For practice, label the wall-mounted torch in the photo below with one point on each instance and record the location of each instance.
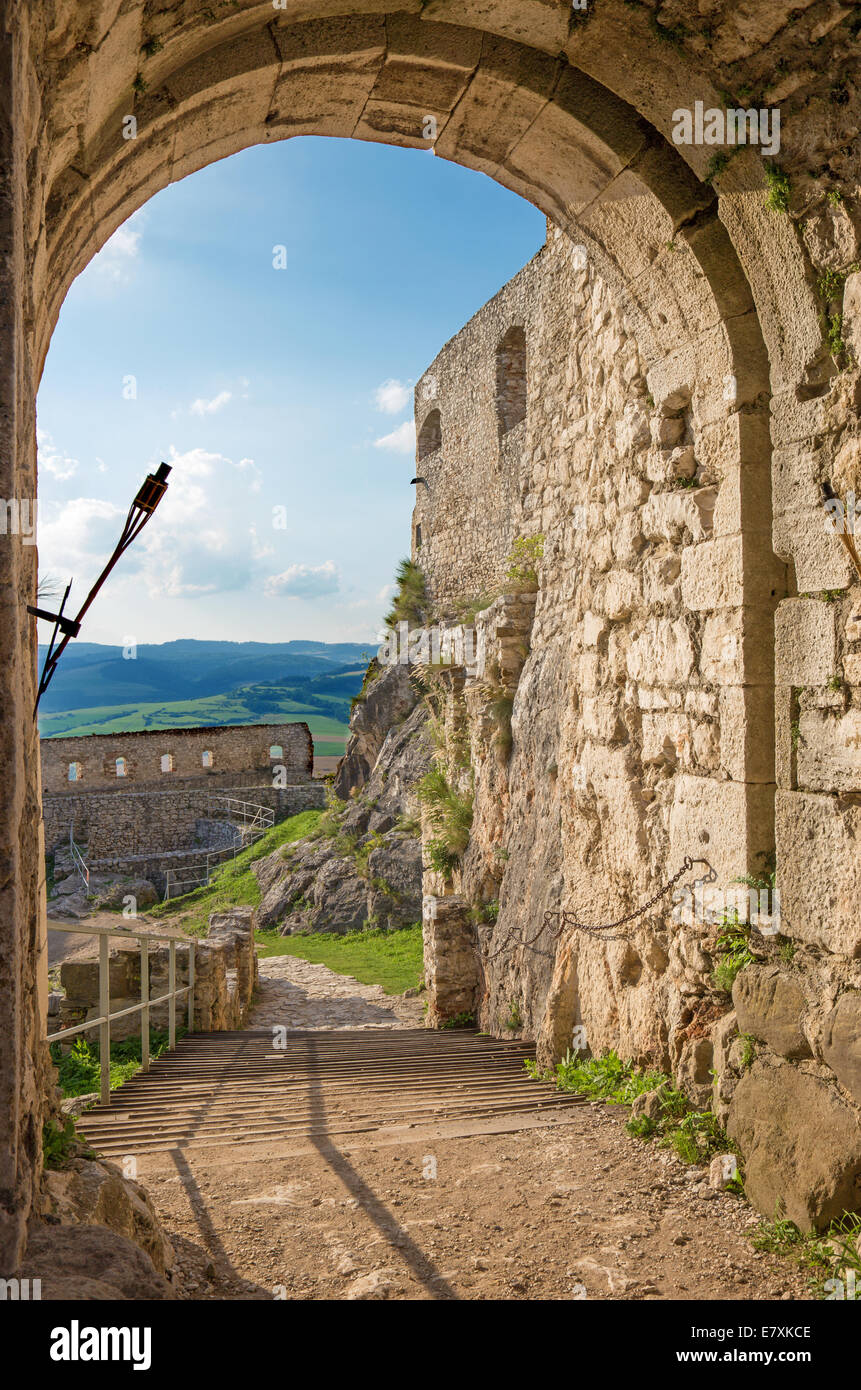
(151, 492)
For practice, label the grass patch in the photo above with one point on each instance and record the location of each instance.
(604, 1078)
(393, 959)
(733, 950)
(825, 1256)
(79, 1071)
(235, 884)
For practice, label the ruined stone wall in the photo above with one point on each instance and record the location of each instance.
(235, 751)
(641, 732)
(112, 826)
(468, 510)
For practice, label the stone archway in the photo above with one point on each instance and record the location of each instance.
(106, 102)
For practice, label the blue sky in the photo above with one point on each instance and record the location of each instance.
(266, 388)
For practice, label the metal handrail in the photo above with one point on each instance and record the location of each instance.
(106, 1018)
(78, 859)
(249, 812)
(250, 815)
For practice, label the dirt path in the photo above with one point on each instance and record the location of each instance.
(535, 1210)
(298, 994)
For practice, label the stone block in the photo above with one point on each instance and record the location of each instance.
(818, 556)
(662, 654)
(805, 642)
(828, 756)
(746, 735)
(801, 1145)
(841, 1042)
(670, 515)
(713, 574)
(817, 840)
(727, 823)
(769, 1003)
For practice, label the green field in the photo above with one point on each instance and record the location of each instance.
(328, 732)
(392, 959)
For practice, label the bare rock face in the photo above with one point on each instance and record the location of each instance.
(841, 1043)
(94, 1192)
(92, 1263)
(801, 1145)
(368, 870)
(769, 1004)
(387, 699)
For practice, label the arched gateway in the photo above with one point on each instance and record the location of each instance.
(104, 104)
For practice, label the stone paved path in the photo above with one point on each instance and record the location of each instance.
(295, 993)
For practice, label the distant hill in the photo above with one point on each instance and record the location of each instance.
(187, 683)
(91, 674)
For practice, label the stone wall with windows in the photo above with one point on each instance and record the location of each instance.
(214, 756)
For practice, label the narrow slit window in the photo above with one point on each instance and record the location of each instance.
(430, 435)
(206, 758)
(74, 772)
(121, 767)
(511, 380)
(167, 762)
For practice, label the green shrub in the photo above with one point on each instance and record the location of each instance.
(448, 811)
(410, 603)
(523, 560)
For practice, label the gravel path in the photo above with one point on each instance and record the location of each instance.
(295, 993)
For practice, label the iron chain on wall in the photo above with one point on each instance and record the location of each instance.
(565, 919)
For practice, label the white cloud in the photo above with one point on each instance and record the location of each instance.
(120, 251)
(304, 581)
(392, 397)
(400, 441)
(52, 459)
(204, 407)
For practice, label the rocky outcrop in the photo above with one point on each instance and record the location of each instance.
(801, 1144)
(386, 698)
(363, 866)
(91, 1263)
(95, 1193)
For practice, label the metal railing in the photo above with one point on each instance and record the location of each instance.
(179, 881)
(106, 1018)
(245, 813)
(78, 859)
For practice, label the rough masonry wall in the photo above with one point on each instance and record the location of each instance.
(469, 511)
(236, 751)
(109, 826)
(642, 733)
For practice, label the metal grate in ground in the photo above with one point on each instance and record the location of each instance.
(221, 1089)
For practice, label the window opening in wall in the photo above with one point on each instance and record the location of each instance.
(511, 379)
(167, 762)
(276, 751)
(206, 758)
(121, 767)
(430, 435)
(418, 538)
(74, 772)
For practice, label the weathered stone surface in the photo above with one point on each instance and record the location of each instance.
(805, 648)
(451, 959)
(387, 699)
(801, 1145)
(841, 1042)
(769, 1003)
(95, 1193)
(91, 1262)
